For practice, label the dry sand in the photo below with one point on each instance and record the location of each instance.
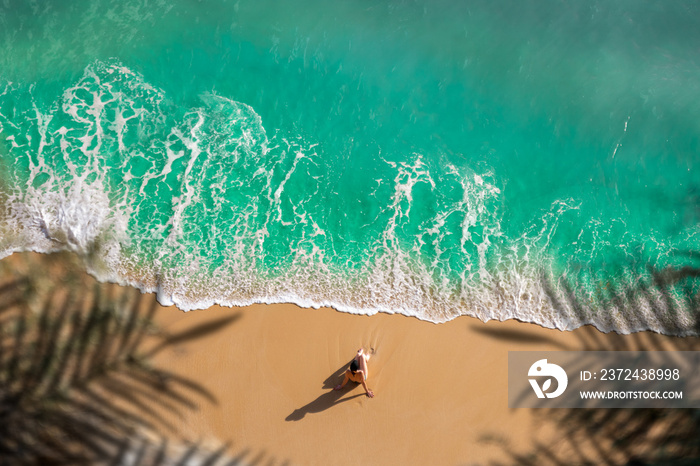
(441, 390)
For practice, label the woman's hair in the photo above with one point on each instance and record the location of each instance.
(354, 366)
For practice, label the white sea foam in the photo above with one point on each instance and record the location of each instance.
(217, 163)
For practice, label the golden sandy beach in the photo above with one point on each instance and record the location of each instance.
(440, 390)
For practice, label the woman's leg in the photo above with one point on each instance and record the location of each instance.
(363, 368)
(362, 360)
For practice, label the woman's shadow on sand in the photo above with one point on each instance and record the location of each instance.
(328, 399)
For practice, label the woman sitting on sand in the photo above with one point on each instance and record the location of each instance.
(358, 372)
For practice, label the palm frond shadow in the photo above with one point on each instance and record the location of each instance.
(627, 436)
(77, 385)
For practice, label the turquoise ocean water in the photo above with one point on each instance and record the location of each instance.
(502, 159)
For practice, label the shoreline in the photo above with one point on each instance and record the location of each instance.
(440, 390)
(650, 307)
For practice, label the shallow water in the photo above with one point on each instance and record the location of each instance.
(530, 160)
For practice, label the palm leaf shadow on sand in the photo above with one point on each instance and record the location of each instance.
(626, 436)
(328, 399)
(517, 336)
(77, 385)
